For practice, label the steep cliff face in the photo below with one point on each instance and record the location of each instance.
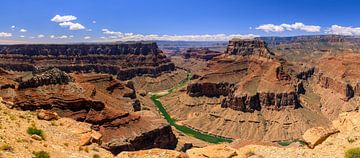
(345, 89)
(273, 101)
(126, 60)
(53, 76)
(248, 47)
(209, 89)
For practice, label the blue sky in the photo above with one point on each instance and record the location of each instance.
(97, 20)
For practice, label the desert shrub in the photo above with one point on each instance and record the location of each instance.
(96, 156)
(6, 147)
(41, 154)
(353, 153)
(34, 130)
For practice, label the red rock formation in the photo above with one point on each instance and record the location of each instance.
(209, 89)
(126, 60)
(101, 100)
(343, 88)
(248, 47)
(274, 101)
(256, 79)
(200, 53)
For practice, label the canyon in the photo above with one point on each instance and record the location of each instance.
(253, 93)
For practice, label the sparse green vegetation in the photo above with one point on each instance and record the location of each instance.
(96, 156)
(53, 123)
(185, 129)
(33, 130)
(287, 143)
(353, 153)
(6, 147)
(41, 154)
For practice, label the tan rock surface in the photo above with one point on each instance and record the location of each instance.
(152, 153)
(315, 136)
(62, 136)
(213, 151)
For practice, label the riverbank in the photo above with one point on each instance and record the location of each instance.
(184, 129)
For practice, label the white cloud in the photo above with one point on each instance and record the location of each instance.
(89, 30)
(5, 34)
(65, 21)
(22, 36)
(13, 27)
(137, 37)
(62, 37)
(87, 37)
(270, 28)
(94, 22)
(40, 36)
(23, 30)
(65, 18)
(72, 26)
(289, 27)
(343, 30)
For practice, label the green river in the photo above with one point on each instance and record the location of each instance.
(184, 129)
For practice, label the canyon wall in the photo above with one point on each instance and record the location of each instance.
(126, 60)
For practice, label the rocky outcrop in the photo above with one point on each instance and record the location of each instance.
(315, 136)
(101, 100)
(246, 47)
(209, 89)
(160, 137)
(346, 89)
(53, 76)
(126, 60)
(274, 101)
(306, 74)
(200, 53)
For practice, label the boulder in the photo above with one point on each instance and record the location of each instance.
(47, 115)
(220, 150)
(317, 135)
(90, 137)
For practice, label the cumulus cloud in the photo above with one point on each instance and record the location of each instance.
(87, 37)
(72, 26)
(65, 21)
(65, 18)
(5, 34)
(22, 36)
(138, 37)
(40, 36)
(94, 22)
(288, 27)
(13, 27)
(23, 30)
(343, 30)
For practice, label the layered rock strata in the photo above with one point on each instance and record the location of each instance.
(200, 53)
(248, 47)
(126, 60)
(98, 99)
